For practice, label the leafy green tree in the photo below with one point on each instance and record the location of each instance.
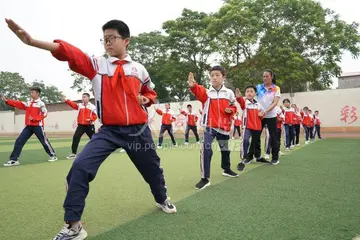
(13, 86)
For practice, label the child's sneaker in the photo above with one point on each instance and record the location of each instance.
(287, 149)
(262, 160)
(198, 142)
(281, 153)
(307, 142)
(292, 146)
(241, 166)
(230, 173)
(186, 143)
(122, 150)
(159, 147)
(275, 162)
(71, 156)
(167, 206)
(202, 184)
(248, 160)
(11, 163)
(175, 146)
(53, 159)
(71, 233)
(267, 156)
(298, 144)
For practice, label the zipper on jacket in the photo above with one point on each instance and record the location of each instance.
(126, 109)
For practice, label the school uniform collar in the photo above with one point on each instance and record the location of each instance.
(35, 101)
(114, 59)
(223, 88)
(253, 101)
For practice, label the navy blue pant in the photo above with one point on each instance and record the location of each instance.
(249, 149)
(80, 130)
(317, 131)
(169, 129)
(206, 151)
(296, 136)
(307, 132)
(311, 132)
(289, 134)
(140, 147)
(187, 131)
(267, 140)
(271, 123)
(26, 133)
(237, 129)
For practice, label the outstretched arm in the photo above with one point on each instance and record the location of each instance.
(78, 61)
(72, 104)
(16, 104)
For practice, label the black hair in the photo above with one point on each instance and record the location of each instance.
(219, 68)
(286, 100)
(87, 94)
(189, 105)
(316, 111)
(273, 76)
(253, 87)
(306, 108)
(36, 89)
(119, 26)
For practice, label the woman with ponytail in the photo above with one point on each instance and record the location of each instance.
(268, 95)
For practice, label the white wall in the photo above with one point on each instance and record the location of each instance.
(330, 104)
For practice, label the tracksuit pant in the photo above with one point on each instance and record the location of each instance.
(317, 131)
(307, 132)
(206, 151)
(140, 147)
(267, 140)
(311, 132)
(80, 130)
(289, 134)
(271, 126)
(194, 130)
(24, 136)
(296, 136)
(237, 129)
(169, 129)
(253, 148)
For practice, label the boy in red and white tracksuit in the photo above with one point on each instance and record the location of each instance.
(218, 109)
(85, 120)
(191, 121)
(317, 125)
(168, 117)
(237, 124)
(312, 126)
(35, 114)
(297, 122)
(306, 122)
(289, 113)
(252, 114)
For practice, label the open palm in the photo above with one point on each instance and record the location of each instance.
(19, 31)
(191, 80)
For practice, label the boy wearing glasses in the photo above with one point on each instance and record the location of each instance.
(122, 90)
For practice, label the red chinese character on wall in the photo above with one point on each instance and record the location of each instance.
(348, 114)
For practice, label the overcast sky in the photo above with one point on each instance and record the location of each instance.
(79, 22)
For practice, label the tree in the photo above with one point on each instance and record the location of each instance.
(298, 39)
(49, 94)
(13, 86)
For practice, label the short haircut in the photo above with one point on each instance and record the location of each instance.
(189, 105)
(286, 100)
(306, 108)
(273, 76)
(86, 94)
(316, 111)
(36, 89)
(251, 86)
(219, 68)
(119, 26)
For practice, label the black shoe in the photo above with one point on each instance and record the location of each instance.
(241, 166)
(202, 184)
(248, 160)
(275, 162)
(262, 160)
(230, 173)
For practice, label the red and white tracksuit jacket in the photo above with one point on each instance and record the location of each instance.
(289, 115)
(35, 109)
(297, 118)
(191, 118)
(317, 121)
(307, 119)
(168, 116)
(237, 121)
(279, 118)
(116, 84)
(214, 104)
(86, 113)
(251, 110)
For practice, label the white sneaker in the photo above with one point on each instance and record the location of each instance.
(298, 144)
(232, 138)
(186, 143)
(307, 142)
(267, 156)
(175, 146)
(287, 149)
(71, 233)
(281, 153)
(122, 150)
(53, 159)
(167, 206)
(159, 147)
(198, 142)
(11, 163)
(71, 156)
(292, 146)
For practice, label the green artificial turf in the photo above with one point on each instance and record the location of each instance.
(314, 193)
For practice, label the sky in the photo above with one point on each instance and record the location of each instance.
(79, 23)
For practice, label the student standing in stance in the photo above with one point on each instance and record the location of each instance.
(218, 108)
(122, 90)
(35, 114)
(191, 121)
(237, 124)
(168, 117)
(85, 119)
